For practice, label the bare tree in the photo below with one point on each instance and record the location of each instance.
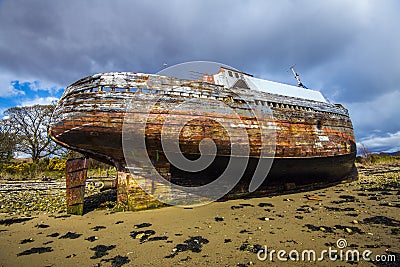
(32, 124)
(364, 151)
(7, 140)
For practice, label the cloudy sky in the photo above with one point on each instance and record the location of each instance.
(349, 50)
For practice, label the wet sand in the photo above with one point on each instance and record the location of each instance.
(365, 213)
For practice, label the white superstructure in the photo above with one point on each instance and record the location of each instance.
(233, 78)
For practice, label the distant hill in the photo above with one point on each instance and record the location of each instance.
(397, 153)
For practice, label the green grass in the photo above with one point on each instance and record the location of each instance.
(377, 159)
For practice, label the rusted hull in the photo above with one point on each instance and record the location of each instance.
(285, 173)
(313, 142)
(103, 139)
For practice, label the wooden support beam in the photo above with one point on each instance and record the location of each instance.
(132, 197)
(76, 174)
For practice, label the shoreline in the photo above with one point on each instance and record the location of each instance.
(365, 213)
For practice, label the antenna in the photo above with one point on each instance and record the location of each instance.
(297, 77)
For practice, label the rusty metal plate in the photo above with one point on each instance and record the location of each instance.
(75, 179)
(73, 165)
(75, 195)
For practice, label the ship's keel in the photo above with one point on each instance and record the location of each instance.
(286, 175)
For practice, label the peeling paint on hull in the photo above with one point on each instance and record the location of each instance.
(314, 140)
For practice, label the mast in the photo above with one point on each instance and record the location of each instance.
(297, 77)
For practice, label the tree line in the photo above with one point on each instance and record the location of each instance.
(24, 134)
(24, 131)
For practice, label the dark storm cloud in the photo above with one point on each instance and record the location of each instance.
(63, 40)
(346, 49)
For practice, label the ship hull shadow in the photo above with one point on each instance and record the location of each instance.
(285, 174)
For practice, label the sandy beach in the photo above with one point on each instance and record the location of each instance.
(362, 215)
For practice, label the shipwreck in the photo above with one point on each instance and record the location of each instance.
(312, 144)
